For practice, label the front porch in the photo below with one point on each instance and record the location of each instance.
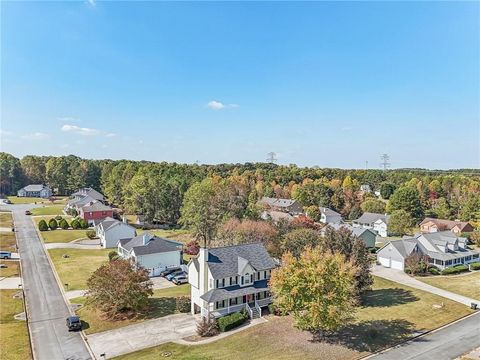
(468, 257)
(251, 303)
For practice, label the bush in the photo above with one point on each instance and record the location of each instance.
(72, 212)
(52, 224)
(407, 271)
(112, 255)
(192, 248)
(455, 269)
(91, 234)
(231, 321)
(207, 327)
(475, 266)
(433, 270)
(275, 310)
(75, 224)
(63, 224)
(58, 218)
(183, 304)
(42, 225)
(83, 224)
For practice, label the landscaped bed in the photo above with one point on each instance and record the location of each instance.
(15, 342)
(6, 219)
(163, 302)
(59, 235)
(392, 312)
(466, 284)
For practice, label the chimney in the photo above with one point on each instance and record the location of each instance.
(124, 219)
(146, 238)
(203, 275)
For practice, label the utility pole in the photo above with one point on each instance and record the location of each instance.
(271, 157)
(366, 164)
(385, 164)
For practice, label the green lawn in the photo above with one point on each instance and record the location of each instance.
(180, 235)
(14, 333)
(79, 266)
(13, 268)
(32, 200)
(391, 312)
(7, 241)
(162, 303)
(6, 219)
(466, 284)
(62, 236)
(48, 210)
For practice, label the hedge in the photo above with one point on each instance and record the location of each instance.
(91, 234)
(475, 266)
(455, 269)
(63, 224)
(42, 225)
(231, 321)
(75, 224)
(52, 224)
(433, 270)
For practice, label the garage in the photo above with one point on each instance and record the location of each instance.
(393, 254)
(390, 263)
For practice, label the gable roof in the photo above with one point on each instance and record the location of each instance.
(443, 224)
(109, 223)
(282, 203)
(329, 212)
(96, 206)
(403, 246)
(224, 261)
(89, 192)
(357, 231)
(277, 215)
(370, 218)
(35, 187)
(154, 244)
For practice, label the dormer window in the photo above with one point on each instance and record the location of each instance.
(247, 278)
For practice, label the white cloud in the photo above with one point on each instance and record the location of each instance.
(68, 119)
(110, 135)
(217, 105)
(35, 136)
(80, 130)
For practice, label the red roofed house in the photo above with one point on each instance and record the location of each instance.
(435, 225)
(94, 211)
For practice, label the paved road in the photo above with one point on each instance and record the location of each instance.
(402, 278)
(45, 304)
(445, 344)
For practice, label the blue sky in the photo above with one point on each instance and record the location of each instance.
(327, 83)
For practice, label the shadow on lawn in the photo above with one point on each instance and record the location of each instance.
(388, 297)
(370, 336)
(161, 306)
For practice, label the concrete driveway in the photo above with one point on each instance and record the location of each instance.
(10, 282)
(72, 246)
(404, 279)
(140, 336)
(161, 283)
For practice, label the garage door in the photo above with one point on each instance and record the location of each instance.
(397, 265)
(387, 262)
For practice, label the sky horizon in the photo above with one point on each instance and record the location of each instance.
(325, 84)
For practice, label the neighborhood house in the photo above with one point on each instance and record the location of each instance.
(151, 252)
(329, 216)
(368, 236)
(376, 222)
(229, 279)
(285, 205)
(110, 231)
(443, 249)
(435, 225)
(95, 211)
(35, 190)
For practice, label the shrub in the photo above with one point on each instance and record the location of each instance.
(42, 225)
(72, 212)
(231, 321)
(58, 218)
(433, 270)
(275, 310)
(112, 255)
(475, 266)
(52, 224)
(75, 224)
(83, 224)
(63, 224)
(455, 269)
(183, 304)
(91, 234)
(192, 248)
(207, 327)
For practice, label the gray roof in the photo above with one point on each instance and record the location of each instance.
(276, 215)
(35, 187)
(89, 192)
(109, 223)
(329, 212)
(234, 291)
(224, 261)
(404, 246)
(277, 202)
(79, 202)
(370, 218)
(357, 231)
(154, 244)
(444, 237)
(96, 206)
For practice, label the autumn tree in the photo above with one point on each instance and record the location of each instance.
(416, 263)
(406, 198)
(234, 232)
(373, 206)
(400, 223)
(119, 290)
(297, 240)
(317, 288)
(386, 190)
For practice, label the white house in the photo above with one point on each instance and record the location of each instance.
(35, 190)
(229, 279)
(110, 231)
(329, 216)
(151, 252)
(443, 249)
(376, 222)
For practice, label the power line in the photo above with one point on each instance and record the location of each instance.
(385, 164)
(271, 157)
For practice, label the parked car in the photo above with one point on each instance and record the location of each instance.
(173, 274)
(28, 212)
(7, 201)
(74, 323)
(3, 266)
(169, 271)
(5, 255)
(181, 279)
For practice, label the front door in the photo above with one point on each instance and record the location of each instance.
(249, 298)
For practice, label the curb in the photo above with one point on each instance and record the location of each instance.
(62, 290)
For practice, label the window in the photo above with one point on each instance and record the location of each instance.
(242, 280)
(236, 280)
(265, 274)
(247, 278)
(233, 301)
(216, 284)
(223, 282)
(252, 278)
(230, 280)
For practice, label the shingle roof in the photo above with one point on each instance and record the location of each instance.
(223, 261)
(234, 291)
(277, 202)
(277, 215)
(154, 244)
(370, 218)
(329, 212)
(404, 246)
(96, 206)
(443, 224)
(109, 223)
(34, 187)
(79, 202)
(357, 231)
(89, 192)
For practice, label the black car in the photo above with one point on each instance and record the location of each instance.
(74, 323)
(169, 271)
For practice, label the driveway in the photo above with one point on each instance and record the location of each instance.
(447, 343)
(139, 336)
(160, 282)
(10, 282)
(404, 279)
(72, 246)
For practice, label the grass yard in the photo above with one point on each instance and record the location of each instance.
(79, 266)
(13, 268)
(48, 210)
(7, 241)
(15, 341)
(391, 313)
(162, 303)
(32, 200)
(6, 219)
(62, 236)
(465, 284)
(180, 235)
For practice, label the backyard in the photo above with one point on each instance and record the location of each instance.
(6, 219)
(162, 303)
(467, 284)
(391, 313)
(15, 342)
(180, 235)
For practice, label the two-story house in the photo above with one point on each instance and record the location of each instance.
(376, 222)
(329, 216)
(110, 231)
(455, 226)
(93, 212)
(229, 279)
